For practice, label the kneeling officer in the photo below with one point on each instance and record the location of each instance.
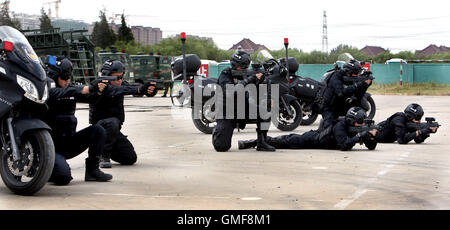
(61, 118)
(107, 110)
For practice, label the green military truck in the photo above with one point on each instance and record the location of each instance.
(147, 68)
(103, 56)
(75, 45)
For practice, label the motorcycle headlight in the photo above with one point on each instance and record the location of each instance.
(31, 91)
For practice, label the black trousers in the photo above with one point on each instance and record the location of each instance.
(309, 140)
(70, 147)
(117, 146)
(223, 133)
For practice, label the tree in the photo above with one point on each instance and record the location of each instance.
(355, 52)
(5, 19)
(125, 33)
(46, 23)
(102, 35)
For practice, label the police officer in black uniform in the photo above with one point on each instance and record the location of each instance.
(107, 110)
(340, 95)
(61, 118)
(336, 136)
(395, 127)
(223, 132)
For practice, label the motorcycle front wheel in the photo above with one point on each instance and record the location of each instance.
(29, 175)
(203, 125)
(289, 123)
(370, 107)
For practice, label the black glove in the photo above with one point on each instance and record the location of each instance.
(364, 135)
(361, 84)
(93, 87)
(144, 89)
(424, 131)
(250, 80)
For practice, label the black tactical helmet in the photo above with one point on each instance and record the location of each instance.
(58, 67)
(240, 58)
(352, 67)
(113, 66)
(355, 115)
(414, 111)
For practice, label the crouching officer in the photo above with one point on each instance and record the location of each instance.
(338, 136)
(61, 118)
(395, 128)
(223, 132)
(107, 110)
(338, 94)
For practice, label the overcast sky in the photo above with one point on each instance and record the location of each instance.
(396, 25)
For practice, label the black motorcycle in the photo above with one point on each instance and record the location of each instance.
(204, 118)
(27, 151)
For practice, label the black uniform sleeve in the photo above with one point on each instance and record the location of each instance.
(339, 89)
(123, 90)
(403, 137)
(344, 142)
(225, 79)
(421, 138)
(70, 91)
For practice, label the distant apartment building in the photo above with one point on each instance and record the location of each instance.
(147, 35)
(28, 22)
(142, 35)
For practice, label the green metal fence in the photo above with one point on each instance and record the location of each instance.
(384, 73)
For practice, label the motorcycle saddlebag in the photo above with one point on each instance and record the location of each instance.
(193, 64)
(306, 88)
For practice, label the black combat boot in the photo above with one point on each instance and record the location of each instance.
(93, 172)
(262, 145)
(247, 144)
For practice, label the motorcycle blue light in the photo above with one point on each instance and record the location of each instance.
(52, 60)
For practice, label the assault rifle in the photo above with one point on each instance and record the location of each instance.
(430, 123)
(368, 126)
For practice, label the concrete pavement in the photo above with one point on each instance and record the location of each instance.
(179, 169)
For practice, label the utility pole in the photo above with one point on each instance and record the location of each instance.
(325, 33)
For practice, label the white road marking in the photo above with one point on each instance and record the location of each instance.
(251, 198)
(320, 168)
(343, 204)
(405, 155)
(383, 172)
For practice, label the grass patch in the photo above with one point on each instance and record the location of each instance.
(416, 89)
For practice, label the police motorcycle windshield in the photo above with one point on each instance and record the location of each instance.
(345, 57)
(22, 53)
(264, 56)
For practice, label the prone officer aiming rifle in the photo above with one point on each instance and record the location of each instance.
(430, 123)
(365, 131)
